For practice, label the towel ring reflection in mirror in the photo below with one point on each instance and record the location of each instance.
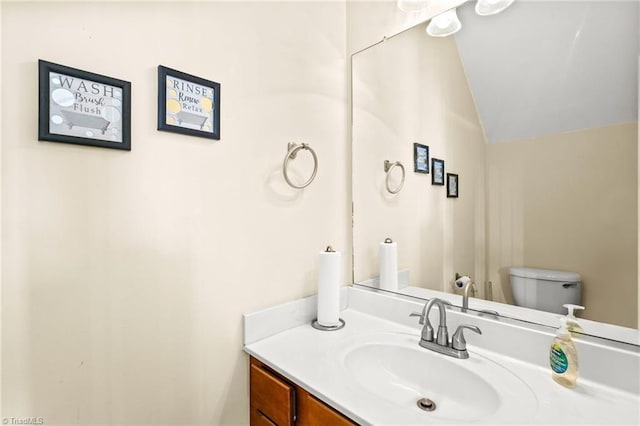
(292, 152)
(388, 167)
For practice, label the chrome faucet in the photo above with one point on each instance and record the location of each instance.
(457, 347)
(465, 297)
(465, 300)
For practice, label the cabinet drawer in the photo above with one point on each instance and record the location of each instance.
(259, 419)
(313, 412)
(271, 396)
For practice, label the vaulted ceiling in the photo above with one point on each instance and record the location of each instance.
(540, 68)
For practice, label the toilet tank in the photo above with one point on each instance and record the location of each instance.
(545, 289)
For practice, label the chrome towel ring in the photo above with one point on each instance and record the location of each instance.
(292, 152)
(388, 166)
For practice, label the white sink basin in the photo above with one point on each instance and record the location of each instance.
(396, 370)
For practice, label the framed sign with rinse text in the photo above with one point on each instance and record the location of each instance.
(83, 108)
(188, 104)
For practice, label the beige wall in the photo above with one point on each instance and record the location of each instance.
(125, 274)
(402, 96)
(569, 202)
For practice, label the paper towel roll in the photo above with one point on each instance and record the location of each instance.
(329, 267)
(388, 264)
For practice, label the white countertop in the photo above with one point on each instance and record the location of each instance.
(311, 359)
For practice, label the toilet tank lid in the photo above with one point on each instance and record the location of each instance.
(544, 274)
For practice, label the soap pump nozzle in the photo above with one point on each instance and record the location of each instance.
(571, 320)
(563, 330)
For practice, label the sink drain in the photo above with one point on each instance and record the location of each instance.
(426, 404)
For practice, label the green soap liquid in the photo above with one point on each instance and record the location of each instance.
(563, 360)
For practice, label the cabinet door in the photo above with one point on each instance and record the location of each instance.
(313, 412)
(271, 396)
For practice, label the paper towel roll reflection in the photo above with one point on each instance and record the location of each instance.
(388, 265)
(329, 267)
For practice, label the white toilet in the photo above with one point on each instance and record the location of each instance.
(545, 289)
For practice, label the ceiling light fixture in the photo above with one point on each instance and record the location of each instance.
(447, 23)
(444, 24)
(491, 7)
(412, 5)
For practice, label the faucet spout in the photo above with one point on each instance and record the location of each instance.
(465, 297)
(442, 337)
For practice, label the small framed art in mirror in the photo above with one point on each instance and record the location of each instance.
(420, 158)
(452, 185)
(437, 171)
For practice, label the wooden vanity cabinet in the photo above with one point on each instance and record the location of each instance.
(276, 401)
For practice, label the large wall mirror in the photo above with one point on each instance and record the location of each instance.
(536, 111)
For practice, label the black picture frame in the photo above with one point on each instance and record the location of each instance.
(420, 158)
(437, 171)
(453, 185)
(83, 108)
(188, 104)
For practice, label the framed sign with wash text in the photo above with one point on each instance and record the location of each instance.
(188, 104)
(83, 108)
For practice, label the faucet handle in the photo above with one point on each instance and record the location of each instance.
(457, 341)
(489, 312)
(418, 314)
(427, 330)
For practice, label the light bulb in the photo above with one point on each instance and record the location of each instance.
(445, 24)
(412, 5)
(491, 7)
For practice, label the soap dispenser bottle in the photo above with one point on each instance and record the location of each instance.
(572, 321)
(563, 357)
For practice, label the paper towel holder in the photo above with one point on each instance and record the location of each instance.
(315, 324)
